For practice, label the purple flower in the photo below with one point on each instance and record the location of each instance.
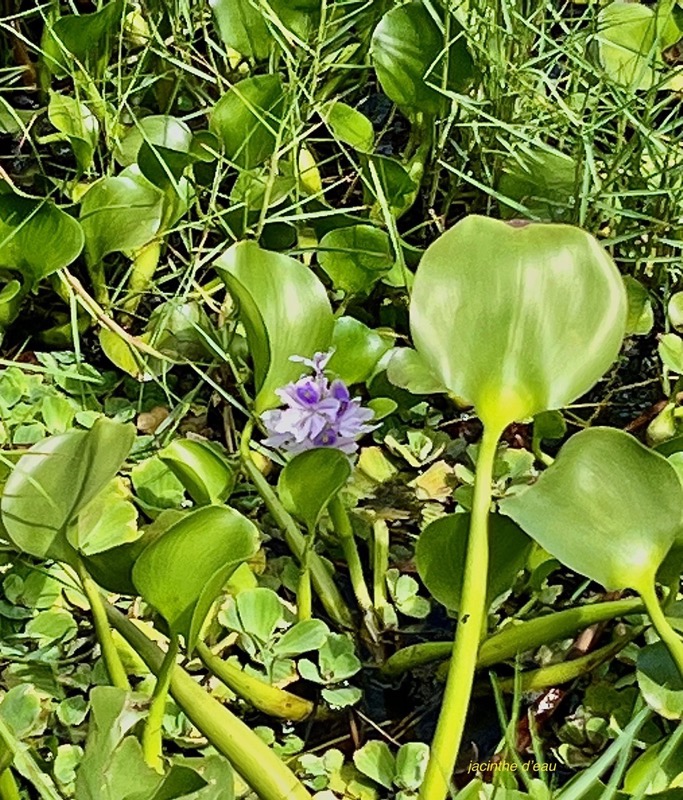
(316, 413)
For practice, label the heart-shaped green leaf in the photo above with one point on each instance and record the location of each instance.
(660, 680)
(539, 351)
(36, 237)
(183, 571)
(108, 521)
(441, 550)
(120, 213)
(55, 480)
(284, 309)
(608, 508)
(310, 480)
(247, 119)
(411, 55)
(202, 468)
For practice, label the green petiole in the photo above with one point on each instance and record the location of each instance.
(471, 621)
(152, 740)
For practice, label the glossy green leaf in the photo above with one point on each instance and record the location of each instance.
(653, 773)
(411, 58)
(540, 351)
(357, 350)
(408, 370)
(348, 125)
(247, 119)
(77, 123)
(543, 182)
(203, 469)
(284, 309)
(640, 318)
(55, 480)
(36, 237)
(109, 520)
(576, 510)
(11, 296)
(386, 178)
(441, 550)
(113, 569)
(660, 681)
(304, 636)
(671, 352)
(376, 760)
(355, 258)
(183, 571)
(120, 213)
(88, 37)
(158, 130)
(674, 310)
(310, 480)
(242, 27)
(631, 38)
(411, 763)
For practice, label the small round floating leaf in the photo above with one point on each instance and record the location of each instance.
(608, 508)
(284, 309)
(441, 550)
(640, 317)
(548, 297)
(675, 311)
(408, 370)
(183, 571)
(310, 480)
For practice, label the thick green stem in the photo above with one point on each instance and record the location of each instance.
(342, 526)
(152, 738)
(269, 777)
(517, 638)
(323, 582)
(566, 671)
(269, 699)
(451, 724)
(112, 661)
(304, 595)
(666, 633)
(380, 563)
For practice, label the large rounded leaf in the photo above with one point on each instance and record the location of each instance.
(310, 480)
(441, 550)
(36, 237)
(411, 55)
(608, 508)
(517, 319)
(55, 480)
(284, 309)
(183, 572)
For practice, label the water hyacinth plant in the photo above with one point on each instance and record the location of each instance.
(340, 338)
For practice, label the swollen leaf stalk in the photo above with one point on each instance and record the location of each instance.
(471, 619)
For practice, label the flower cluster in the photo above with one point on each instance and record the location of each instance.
(317, 413)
